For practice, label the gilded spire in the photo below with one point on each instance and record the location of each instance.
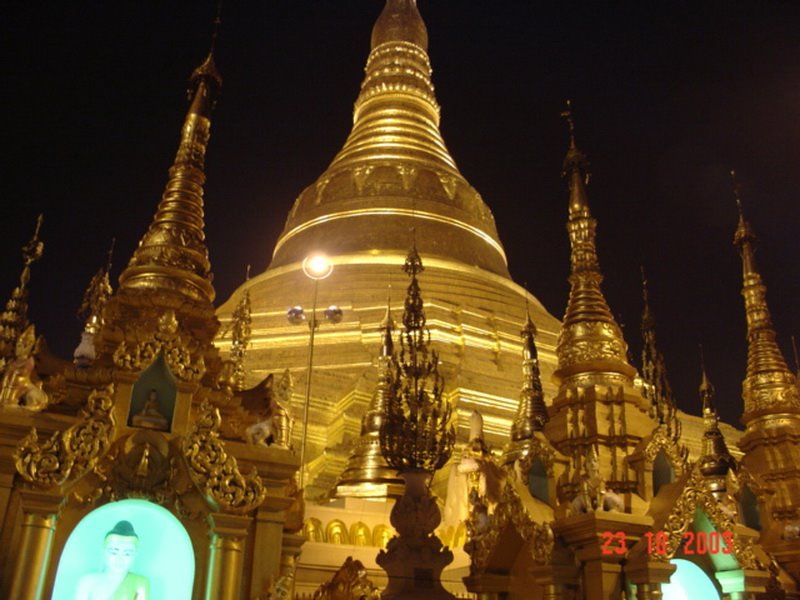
(416, 433)
(367, 474)
(769, 386)
(715, 459)
(532, 412)
(14, 318)
(654, 371)
(394, 170)
(590, 338)
(96, 296)
(172, 256)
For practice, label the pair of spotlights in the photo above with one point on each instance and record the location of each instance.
(297, 314)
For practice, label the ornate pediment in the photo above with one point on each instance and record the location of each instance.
(69, 454)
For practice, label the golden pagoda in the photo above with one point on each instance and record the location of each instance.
(393, 174)
(190, 451)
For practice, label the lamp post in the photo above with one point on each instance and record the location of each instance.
(316, 266)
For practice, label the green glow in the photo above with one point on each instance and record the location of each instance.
(164, 553)
(688, 582)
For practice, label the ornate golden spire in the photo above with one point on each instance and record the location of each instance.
(769, 386)
(95, 297)
(532, 412)
(654, 371)
(14, 318)
(394, 171)
(715, 459)
(416, 434)
(590, 338)
(172, 256)
(367, 474)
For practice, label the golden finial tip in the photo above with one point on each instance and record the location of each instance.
(400, 21)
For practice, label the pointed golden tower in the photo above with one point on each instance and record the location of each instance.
(172, 255)
(590, 338)
(367, 474)
(393, 173)
(771, 442)
(532, 413)
(596, 405)
(170, 271)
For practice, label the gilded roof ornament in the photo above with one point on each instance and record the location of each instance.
(654, 372)
(172, 256)
(590, 338)
(769, 386)
(416, 434)
(14, 318)
(532, 413)
(715, 459)
(96, 296)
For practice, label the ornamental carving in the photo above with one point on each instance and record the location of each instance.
(350, 582)
(484, 530)
(535, 448)
(165, 341)
(722, 514)
(214, 471)
(69, 454)
(661, 440)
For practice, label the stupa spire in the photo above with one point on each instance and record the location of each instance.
(367, 474)
(590, 338)
(654, 370)
(394, 170)
(172, 256)
(14, 318)
(532, 412)
(769, 386)
(715, 459)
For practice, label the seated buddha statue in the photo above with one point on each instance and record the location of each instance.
(150, 416)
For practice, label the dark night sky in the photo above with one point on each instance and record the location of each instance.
(668, 98)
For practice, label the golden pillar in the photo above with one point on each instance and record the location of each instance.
(39, 515)
(269, 520)
(648, 576)
(226, 556)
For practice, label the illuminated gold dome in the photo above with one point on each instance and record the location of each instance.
(394, 171)
(393, 174)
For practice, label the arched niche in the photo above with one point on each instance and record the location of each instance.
(688, 581)
(538, 483)
(749, 503)
(663, 472)
(155, 387)
(163, 555)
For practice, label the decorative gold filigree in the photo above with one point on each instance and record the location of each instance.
(214, 471)
(696, 495)
(416, 432)
(661, 440)
(484, 530)
(165, 341)
(70, 454)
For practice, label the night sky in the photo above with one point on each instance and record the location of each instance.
(667, 100)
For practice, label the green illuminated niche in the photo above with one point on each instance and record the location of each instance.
(123, 549)
(688, 582)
